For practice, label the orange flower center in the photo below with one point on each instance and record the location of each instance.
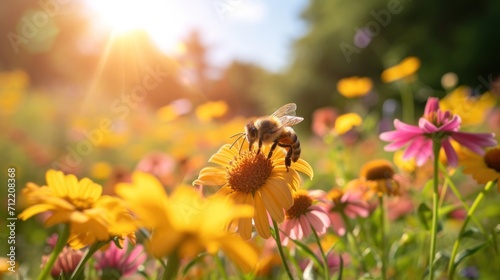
(377, 170)
(335, 195)
(492, 159)
(249, 171)
(80, 203)
(301, 204)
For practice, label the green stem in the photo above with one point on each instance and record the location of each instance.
(470, 213)
(173, 264)
(407, 103)
(352, 241)
(280, 250)
(436, 147)
(341, 268)
(90, 252)
(325, 260)
(461, 198)
(220, 267)
(382, 237)
(61, 242)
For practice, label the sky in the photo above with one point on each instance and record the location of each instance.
(257, 31)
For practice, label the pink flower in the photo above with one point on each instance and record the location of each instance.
(116, 261)
(159, 164)
(303, 217)
(66, 263)
(336, 202)
(334, 262)
(435, 125)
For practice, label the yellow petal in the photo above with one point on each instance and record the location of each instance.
(271, 203)
(304, 167)
(222, 157)
(260, 217)
(55, 181)
(35, 209)
(159, 246)
(242, 253)
(212, 176)
(59, 217)
(346, 122)
(245, 228)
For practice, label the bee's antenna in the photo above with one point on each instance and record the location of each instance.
(239, 135)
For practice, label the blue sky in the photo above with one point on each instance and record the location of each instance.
(257, 31)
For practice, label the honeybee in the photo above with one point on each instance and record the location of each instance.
(276, 129)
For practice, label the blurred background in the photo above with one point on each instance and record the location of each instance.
(101, 88)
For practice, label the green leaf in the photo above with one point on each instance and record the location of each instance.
(445, 210)
(472, 232)
(468, 252)
(495, 240)
(193, 262)
(304, 248)
(425, 215)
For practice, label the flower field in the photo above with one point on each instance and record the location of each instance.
(249, 139)
(172, 194)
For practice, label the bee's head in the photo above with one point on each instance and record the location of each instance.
(252, 134)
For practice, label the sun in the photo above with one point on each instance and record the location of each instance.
(123, 16)
(164, 20)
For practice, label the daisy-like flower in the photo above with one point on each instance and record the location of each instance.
(435, 125)
(483, 168)
(91, 217)
(185, 224)
(254, 179)
(404, 70)
(344, 123)
(354, 86)
(303, 216)
(338, 202)
(115, 263)
(379, 177)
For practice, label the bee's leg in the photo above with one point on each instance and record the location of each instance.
(288, 157)
(260, 146)
(273, 147)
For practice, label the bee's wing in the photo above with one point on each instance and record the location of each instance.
(287, 109)
(290, 120)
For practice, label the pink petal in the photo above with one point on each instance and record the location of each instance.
(475, 141)
(337, 223)
(451, 155)
(357, 209)
(420, 149)
(306, 227)
(296, 232)
(401, 126)
(452, 125)
(431, 106)
(427, 126)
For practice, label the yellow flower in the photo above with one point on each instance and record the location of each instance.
(354, 86)
(408, 165)
(254, 179)
(12, 87)
(101, 170)
(92, 217)
(211, 110)
(483, 168)
(185, 223)
(379, 175)
(404, 69)
(472, 110)
(346, 122)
